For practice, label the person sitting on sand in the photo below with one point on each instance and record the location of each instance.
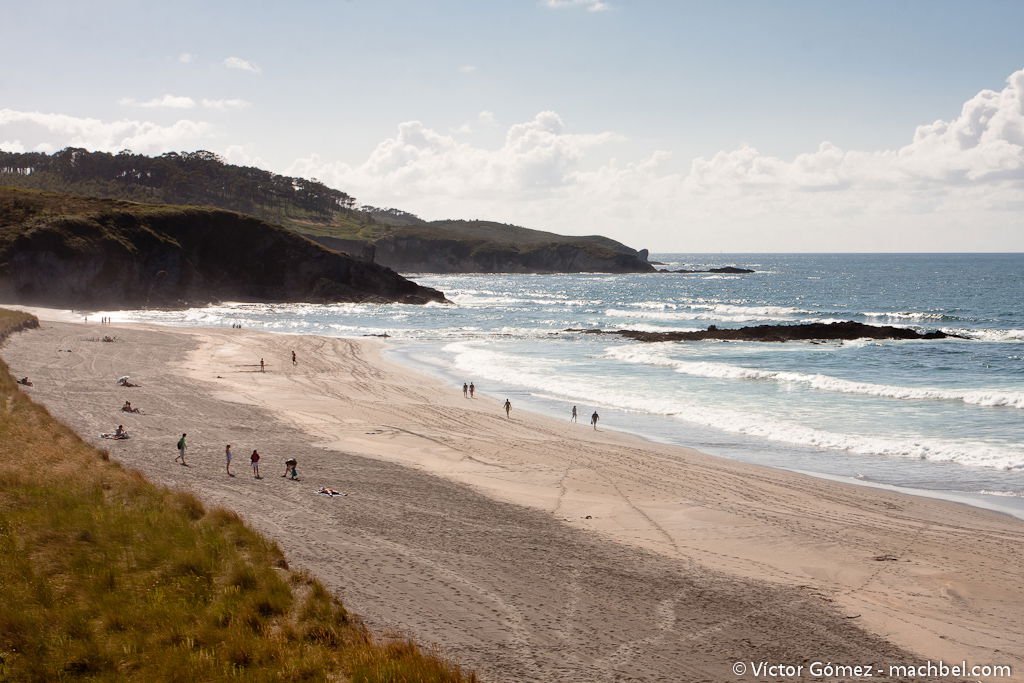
(127, 408)
(119, 433)
(24, 380)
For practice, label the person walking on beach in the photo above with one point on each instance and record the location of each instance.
(471, 389)
(594, 418)
(508, 407)
(181, 449)
(573, 418)
(227, 459)
(294, 360)
(465, 390)
(255, 460)
(261, 365)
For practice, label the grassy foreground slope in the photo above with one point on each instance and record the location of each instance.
(106, 576)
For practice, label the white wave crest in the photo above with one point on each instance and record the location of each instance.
(988, 335)
(980, 397)
(908, 315)
(545, 377)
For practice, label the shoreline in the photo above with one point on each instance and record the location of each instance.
(995, 501)
(393, 351)
(1010, 505)
(702, 512)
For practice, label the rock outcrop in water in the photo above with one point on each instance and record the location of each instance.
(67, 251)
(780, 333)
(723, 269)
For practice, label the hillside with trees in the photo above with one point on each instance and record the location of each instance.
(69, 251)
(391, 237)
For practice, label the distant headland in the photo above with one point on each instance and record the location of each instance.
(389, 237)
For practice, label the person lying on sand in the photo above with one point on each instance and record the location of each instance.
(329, 492)
(126, 381)
(24, 380)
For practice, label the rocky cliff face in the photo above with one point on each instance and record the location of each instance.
(439, 255)
(110, 253)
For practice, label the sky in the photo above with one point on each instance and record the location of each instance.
(715, 126)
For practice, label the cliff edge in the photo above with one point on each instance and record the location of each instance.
(69, 251)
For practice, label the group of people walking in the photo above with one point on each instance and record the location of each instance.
(291, 465)
(469, 389)
(593, 418)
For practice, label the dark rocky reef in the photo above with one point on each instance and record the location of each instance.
(61, 250)
(723, 269)
(780, 333)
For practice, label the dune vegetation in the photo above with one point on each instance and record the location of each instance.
(108, 577)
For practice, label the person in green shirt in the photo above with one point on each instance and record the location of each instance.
(181, 450)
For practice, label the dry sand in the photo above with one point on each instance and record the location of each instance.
(533, 549)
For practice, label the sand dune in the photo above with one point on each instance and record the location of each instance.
(531, 548)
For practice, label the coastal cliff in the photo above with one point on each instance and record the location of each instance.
(62, 250)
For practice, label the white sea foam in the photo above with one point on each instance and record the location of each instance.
(979, 396)
(546, 376)
(988, 335)
(473, 300)
(909, 315)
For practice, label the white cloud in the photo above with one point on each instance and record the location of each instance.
(225, 104)
(589, 5)
(243, 65)
(536, 157)
(468, 69)
(182, 102)
(165, 102)
(485, 120)
(62, 130)
(12, 146)
(956, 184)
(186, 58)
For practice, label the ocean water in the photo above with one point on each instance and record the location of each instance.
(945, 416)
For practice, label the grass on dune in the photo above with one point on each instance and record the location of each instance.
(106, 576)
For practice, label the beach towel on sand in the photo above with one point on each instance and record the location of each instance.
(111, 435)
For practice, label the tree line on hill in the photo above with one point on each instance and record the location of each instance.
(198, 178)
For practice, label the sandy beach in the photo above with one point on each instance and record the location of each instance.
(530, 548)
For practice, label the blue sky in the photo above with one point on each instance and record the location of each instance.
(716, 126)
